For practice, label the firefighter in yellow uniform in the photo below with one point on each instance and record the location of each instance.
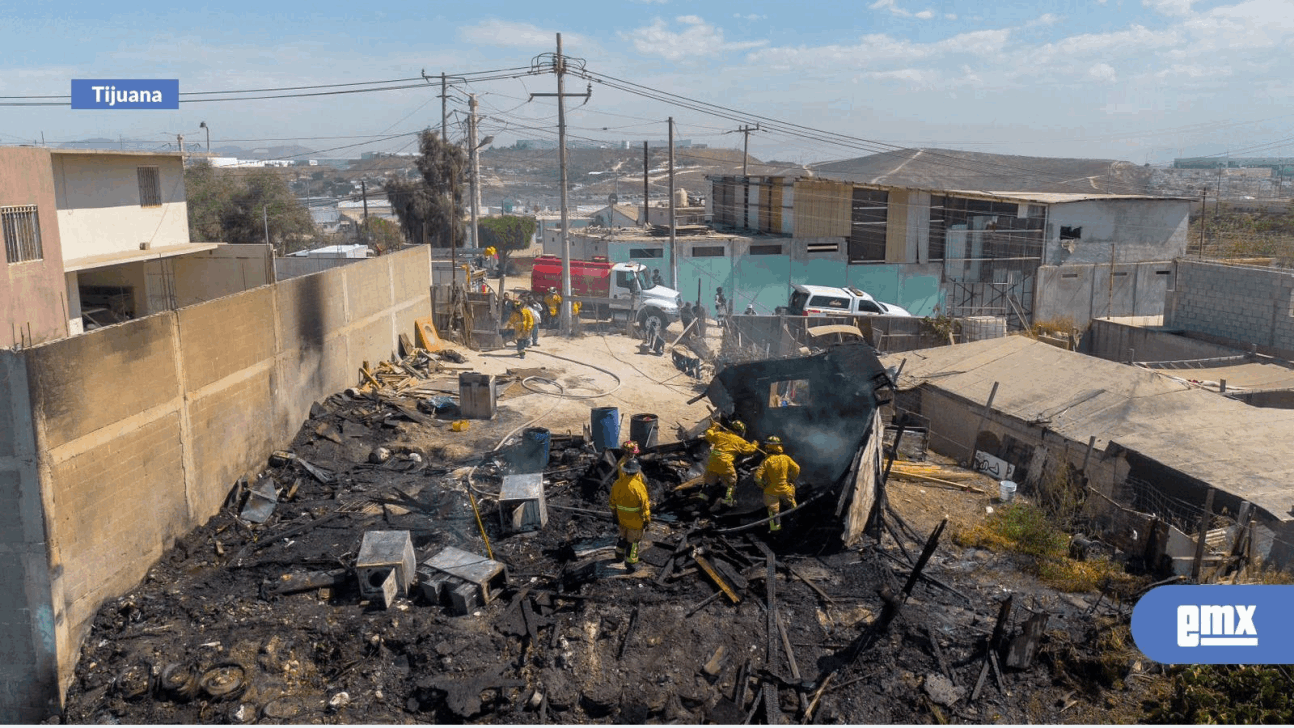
(726, 443)
(553, 301)
(632, 510)
(776, 475)
(522, 321)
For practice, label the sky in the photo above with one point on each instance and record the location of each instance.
(1138, 80)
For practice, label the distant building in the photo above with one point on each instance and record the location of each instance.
(1280, 166)
(617, 216)
(894, 225)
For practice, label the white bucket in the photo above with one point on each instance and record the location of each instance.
(1006, 491)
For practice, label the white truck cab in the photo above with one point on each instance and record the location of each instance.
(631, 280)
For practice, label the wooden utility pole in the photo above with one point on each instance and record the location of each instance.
(673, 246)
(363, 190)
(444, 139)
(646, 183)
(476, 182)
(745, 146)
(1204, 207)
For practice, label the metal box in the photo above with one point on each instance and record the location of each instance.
(476, 396)
(381, 553)
(521, 503)
(451, 574)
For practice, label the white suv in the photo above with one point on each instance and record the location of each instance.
(829, 301)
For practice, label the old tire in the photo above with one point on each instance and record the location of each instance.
(225, 681)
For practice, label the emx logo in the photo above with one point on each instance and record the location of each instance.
(1215, 624)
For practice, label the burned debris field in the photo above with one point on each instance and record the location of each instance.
(295, 603)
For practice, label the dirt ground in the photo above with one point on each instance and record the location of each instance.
(575, 639)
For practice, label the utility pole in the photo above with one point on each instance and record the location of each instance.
(444, 139)
(559, 67)
(476, 168)
(363, 189)
(673, 247)
(179, 139)
(265, 220)
(646, 182)
(1204, 210)
(745, 147)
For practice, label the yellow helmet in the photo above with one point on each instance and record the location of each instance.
(738, 427)
(773, 444)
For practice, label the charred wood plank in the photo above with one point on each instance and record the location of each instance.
(714, 576)
(939, 656)
(704, 603)
(629, 632)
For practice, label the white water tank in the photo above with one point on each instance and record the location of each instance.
(979, 328)
(680, 197)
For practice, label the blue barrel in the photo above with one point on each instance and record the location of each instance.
(605, 425)
(532, 455)
(643, 429)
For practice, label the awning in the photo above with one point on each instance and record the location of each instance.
(135, 256)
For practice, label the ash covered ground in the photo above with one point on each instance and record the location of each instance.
(574, 639)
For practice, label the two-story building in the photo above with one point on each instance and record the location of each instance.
(1025, 238)
(96, 237)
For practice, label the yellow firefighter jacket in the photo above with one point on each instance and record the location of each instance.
(777, 474)
(629, 500)
(724, 447)
(553, 300)
(522, 321)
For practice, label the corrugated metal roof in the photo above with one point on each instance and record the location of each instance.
(1233, 447)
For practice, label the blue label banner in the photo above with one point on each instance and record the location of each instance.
(1244, 624)
(126, 93)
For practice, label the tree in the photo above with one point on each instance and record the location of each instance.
(384, 235)
(227, 207)
(507, 234)
(430, 208)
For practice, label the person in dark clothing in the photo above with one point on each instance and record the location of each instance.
(655, 277)
(685, 314)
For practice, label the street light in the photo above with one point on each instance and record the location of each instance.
(203, 125)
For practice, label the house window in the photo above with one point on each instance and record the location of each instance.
(646, 252)
(707, 251)
(1071, 233)
(21, 234)
(868, 225)
(150, 187)
(765, 250)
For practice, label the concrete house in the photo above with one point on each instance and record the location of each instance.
(1028, 240)
(617, 216)
(102, 237)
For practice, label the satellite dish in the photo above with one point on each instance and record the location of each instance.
(612, 198)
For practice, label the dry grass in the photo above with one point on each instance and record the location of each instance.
(1025, 529)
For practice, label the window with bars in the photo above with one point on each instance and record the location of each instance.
(150, 187)
(21, 228)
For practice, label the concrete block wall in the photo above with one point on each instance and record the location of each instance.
(1248, 305)
(1082, 292)
(1113, 340)
(115, 443)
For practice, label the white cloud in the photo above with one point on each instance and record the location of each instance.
(651, 2)
(751, 16)
(697, 38)
(1170, 7)
(926, 14)
(950, 16)
(889, 5)
(1103, 73)
(510, 34)
(1043, 20)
